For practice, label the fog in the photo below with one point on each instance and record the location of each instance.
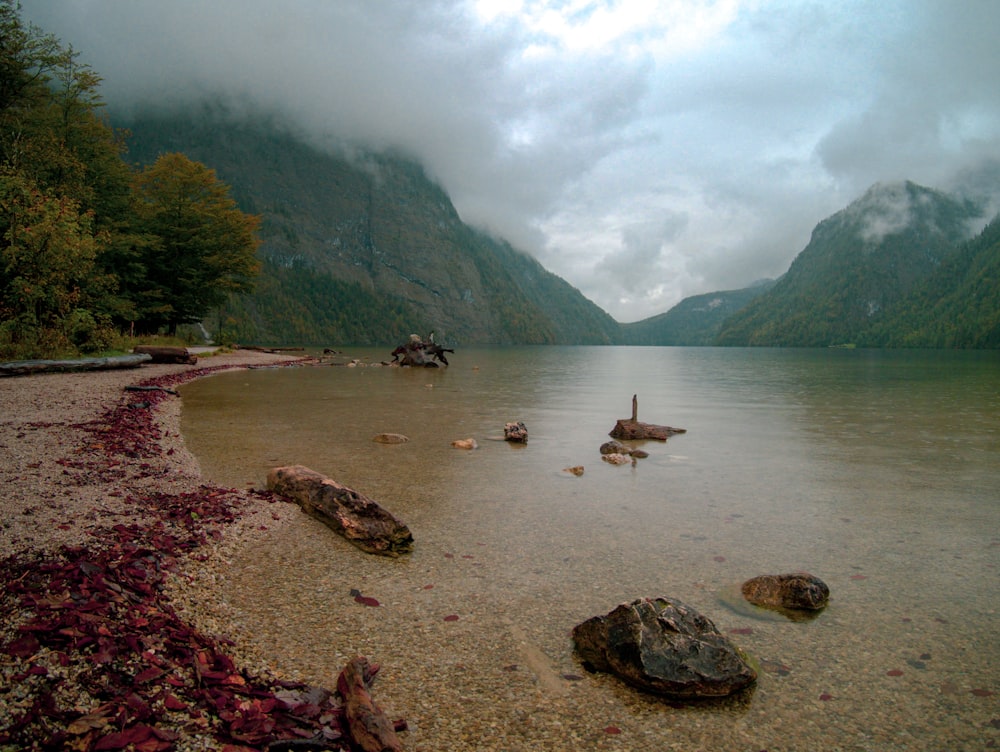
(644, 150)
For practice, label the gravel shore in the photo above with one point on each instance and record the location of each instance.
(103, 515)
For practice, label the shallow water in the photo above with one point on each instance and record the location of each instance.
(877, 471)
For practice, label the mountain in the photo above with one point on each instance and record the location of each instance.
(860, 265)
(695, 321)
(362, 248)
(958, 306)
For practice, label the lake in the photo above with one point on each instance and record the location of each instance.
(877, 471)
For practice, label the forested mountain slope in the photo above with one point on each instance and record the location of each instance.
(859, 267)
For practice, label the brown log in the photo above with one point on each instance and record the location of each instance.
(632, 428)
(353, 515)
(167, 354)
(28, 367)
(367, 725)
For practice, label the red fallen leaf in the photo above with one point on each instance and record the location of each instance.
(23, 647)
(825, 697)
(428, 587)
(719, 558)
(149, 674)
(365, 600)
(468, 556)
(449, 556)
(741, 630)
(982, 693)
(172, 703)
(451, 617)
(894, 672)
(859, 577)
(612, 730)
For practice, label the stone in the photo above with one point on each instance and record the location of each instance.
(576, 470)
(390, 438)
(357, 518)
(665, 647)
(613, 447)
(515, 432)
(616, 459)
(796, 591)
(465, 444)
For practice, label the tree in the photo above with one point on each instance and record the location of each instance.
(200, 246)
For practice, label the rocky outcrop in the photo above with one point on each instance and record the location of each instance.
(663, 646)
(796, 591)
(353, 515)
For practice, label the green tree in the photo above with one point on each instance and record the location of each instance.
(47, 271)
(199, 246)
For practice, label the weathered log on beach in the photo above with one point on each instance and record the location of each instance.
(367, 725)
(167, 354)
(353, 515)
(26, 367)
(632, 428)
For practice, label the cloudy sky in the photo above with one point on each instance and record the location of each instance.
(644, 150)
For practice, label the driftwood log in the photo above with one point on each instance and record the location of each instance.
(26, 367)
(369, 728)
(353, 515)
(167, 354)
(632, 428)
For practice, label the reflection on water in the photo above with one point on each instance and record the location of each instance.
(877, 471)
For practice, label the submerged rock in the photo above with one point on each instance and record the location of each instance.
(663, 646)
(390, 438)
(796, 591)
(516, 432)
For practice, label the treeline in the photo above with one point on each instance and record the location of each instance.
(90, 248)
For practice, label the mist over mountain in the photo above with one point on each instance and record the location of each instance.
(859, 267)
(364, 248)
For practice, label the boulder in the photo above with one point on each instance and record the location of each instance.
(799, 591)
(353, 515)
(515, 432)
(465, 444)
(576, 470)
(662, 646)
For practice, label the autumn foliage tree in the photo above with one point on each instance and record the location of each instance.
(200, 246)
(86, 246)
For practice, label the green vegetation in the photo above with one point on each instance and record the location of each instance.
(87, 249)
(863, 278)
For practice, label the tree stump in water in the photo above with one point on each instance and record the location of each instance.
(367, 725)
(632, 428)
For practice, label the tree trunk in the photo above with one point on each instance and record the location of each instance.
(167, 354)
(367, 725)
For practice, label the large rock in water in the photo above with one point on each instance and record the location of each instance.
(799, 591)
(356, 517)
(663, 646)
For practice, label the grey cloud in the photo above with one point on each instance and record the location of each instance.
(753, 133)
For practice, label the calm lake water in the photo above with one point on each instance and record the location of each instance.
(878, 471)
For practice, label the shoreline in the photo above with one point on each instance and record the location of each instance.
(107, 529)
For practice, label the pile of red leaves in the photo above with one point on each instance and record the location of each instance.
(103, 661)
